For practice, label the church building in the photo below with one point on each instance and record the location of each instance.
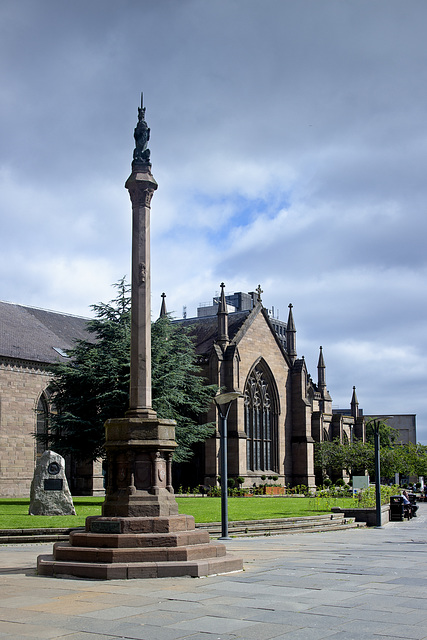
(32, 341)
(273, 427)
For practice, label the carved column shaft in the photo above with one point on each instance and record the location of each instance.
(141, 186)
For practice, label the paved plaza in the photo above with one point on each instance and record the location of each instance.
(354, 584)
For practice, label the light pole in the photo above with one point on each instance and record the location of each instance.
(377, 473)
(223, 402)
(376, 425)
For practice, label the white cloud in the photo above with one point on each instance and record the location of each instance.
(288, 141)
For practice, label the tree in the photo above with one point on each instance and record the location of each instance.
(329, 457)
(334, 457)
(411, 459)
(93, 385)
(388, 434)
(179, 391)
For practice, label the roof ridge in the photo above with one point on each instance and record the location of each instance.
(28, 306)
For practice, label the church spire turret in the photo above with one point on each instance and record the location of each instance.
(163, 310)
(321, 372)
(291, 337)
(354, 404)
(222, 314)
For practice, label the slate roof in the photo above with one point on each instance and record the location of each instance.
(205, 329)
(33, 334)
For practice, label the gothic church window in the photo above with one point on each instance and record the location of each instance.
(42, 413)
(260, 422)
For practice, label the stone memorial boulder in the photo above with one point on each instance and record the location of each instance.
(49, 494)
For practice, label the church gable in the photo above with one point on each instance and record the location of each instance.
(256, 340)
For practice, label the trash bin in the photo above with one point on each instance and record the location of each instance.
(396, 508)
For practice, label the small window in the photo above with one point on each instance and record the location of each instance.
(61, 352)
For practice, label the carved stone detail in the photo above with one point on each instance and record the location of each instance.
(142, 273)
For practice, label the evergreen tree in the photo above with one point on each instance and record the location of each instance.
(179, 391)
(93, 385)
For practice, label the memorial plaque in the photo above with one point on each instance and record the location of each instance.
(105, 526)
(54, 468)
(53, 484)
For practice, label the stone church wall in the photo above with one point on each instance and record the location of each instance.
(259, 341)
(256, 342)
(21, 384)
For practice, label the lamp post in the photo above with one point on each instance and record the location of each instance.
(377, 473)
(376, 425)
(223, 402)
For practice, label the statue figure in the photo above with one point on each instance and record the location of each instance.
(141, 154)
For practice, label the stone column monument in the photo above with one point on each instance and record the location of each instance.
(140, 445)
(140, 534)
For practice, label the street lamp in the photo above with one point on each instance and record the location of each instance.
(376, 425)
(223, 402)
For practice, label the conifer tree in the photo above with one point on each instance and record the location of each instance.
(93, 385)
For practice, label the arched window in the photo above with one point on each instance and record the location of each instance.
(42, 424)
(260, 422)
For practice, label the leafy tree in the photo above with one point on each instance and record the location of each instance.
(94, 384)
(356, 457)
(388, 434)
(411, 459)
(329, 457)
(334, 457)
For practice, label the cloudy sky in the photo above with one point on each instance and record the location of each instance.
(289, 141)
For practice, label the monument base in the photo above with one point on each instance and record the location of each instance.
(139, 451)
(124, 548)
(140, 503)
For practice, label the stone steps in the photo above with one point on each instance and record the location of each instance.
(308, 524)
(138, 547)
(18, 536)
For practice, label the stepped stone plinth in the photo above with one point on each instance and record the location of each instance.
(123, 548)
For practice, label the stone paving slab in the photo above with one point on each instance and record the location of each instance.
(359, 584)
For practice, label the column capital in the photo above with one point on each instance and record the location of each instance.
(141, 181)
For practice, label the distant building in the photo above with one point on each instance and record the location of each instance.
(405, 424)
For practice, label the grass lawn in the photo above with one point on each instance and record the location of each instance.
(14, 512)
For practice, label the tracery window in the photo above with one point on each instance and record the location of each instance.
(260, 423)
